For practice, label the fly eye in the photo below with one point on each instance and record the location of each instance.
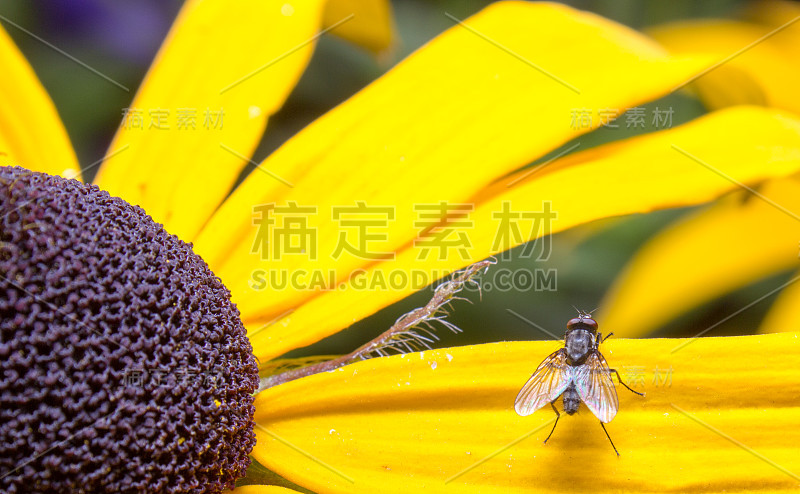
(573, 323)
(584, 322)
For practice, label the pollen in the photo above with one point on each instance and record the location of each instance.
(115, 340)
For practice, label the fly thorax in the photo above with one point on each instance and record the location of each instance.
(579, 343)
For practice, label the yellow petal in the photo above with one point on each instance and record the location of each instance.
(224, 68)
(444, 421)
(782, 316)
(31, 133)
(756, 63)
(369, 22)
(747, 144)
(263, 489)
(773, 13)
(737, 241)
(479, 101)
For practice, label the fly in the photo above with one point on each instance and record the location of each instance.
(578, 372)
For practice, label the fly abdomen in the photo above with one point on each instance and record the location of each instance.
(571, 399)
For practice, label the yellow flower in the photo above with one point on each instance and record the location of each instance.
(749, 236)
(497, 91)
(755, 59)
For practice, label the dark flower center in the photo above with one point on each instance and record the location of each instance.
(124, 366)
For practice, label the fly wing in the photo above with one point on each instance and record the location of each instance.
(596, 389)
(546, 384)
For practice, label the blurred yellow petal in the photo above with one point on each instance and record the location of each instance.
(774, 13)
(224, 68)
(747, 144)
(369, 23)
(479, 101)
(262, 489)
(738, 240)
(782, 316)
(31, 133)
(730, 86)
(755, 62)
(443, 421)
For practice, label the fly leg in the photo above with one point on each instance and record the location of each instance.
(609, 437)
(620, 381)
(618, 377)
(558, 416)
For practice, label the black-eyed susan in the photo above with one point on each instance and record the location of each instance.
(497, 90)
(125, 367)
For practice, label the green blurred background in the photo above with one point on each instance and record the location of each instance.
(121, 38)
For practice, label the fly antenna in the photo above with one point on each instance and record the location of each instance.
(583, 313)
